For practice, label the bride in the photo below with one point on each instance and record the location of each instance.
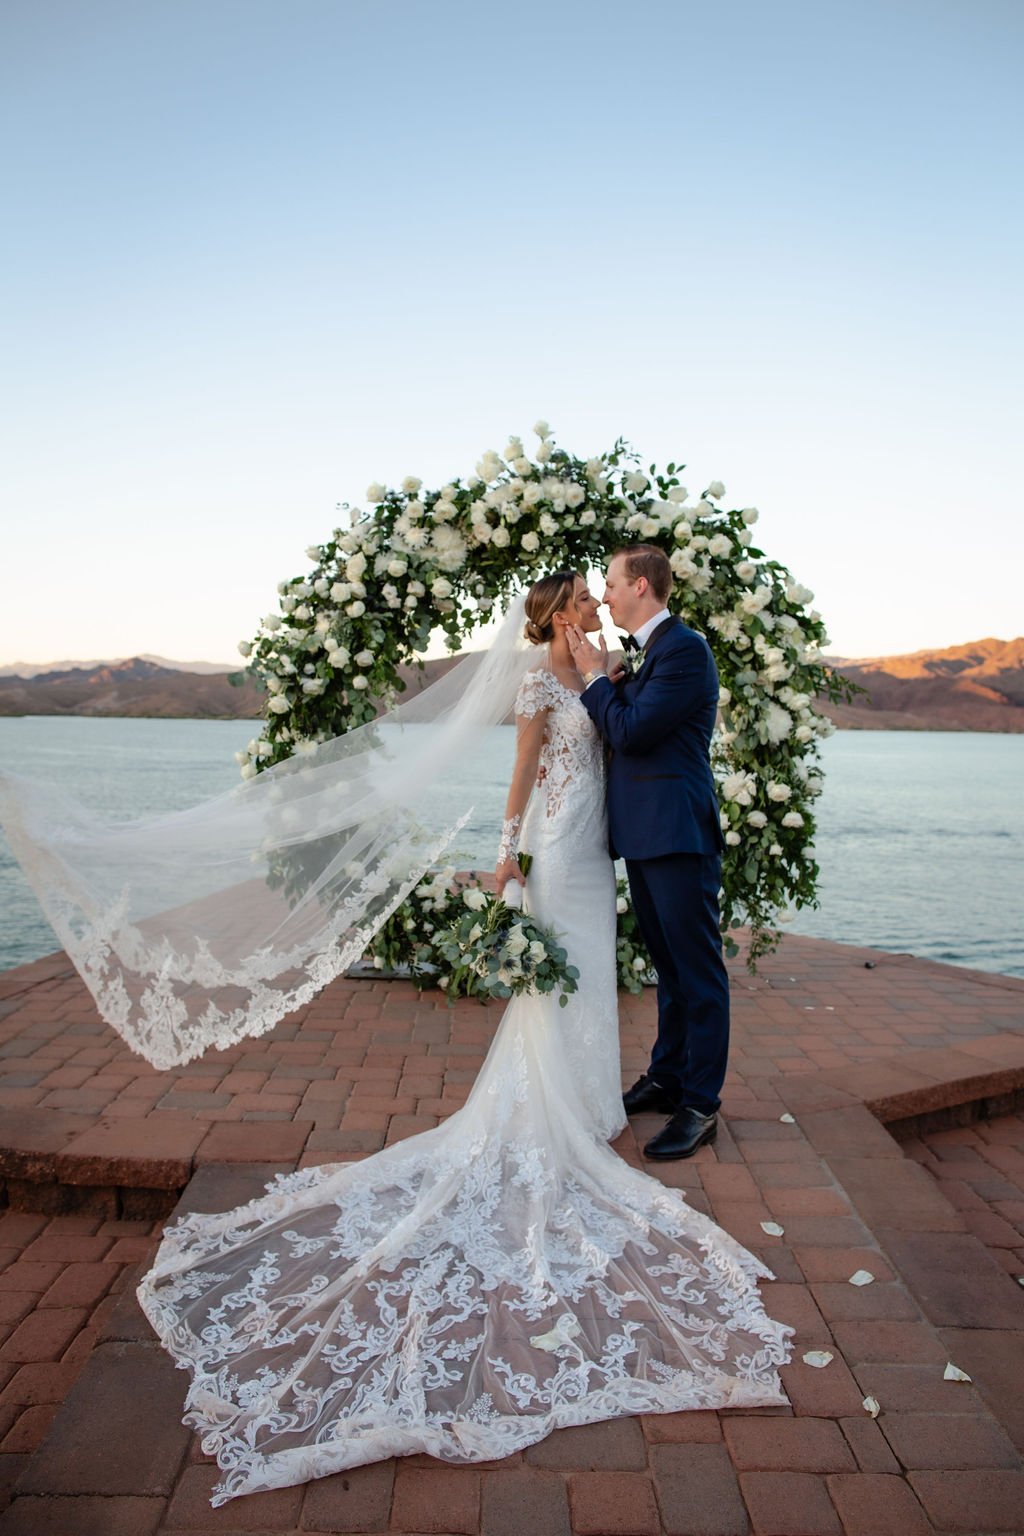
(468, 1290)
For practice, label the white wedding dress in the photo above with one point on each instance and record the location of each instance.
(467, 1291)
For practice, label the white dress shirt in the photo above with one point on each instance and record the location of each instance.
(645, 631)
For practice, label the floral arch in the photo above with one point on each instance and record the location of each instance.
(418, 560)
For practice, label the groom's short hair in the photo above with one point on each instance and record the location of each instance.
(650, 561)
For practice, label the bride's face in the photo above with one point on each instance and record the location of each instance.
(582, 610)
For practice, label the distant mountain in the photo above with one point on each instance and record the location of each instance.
(34, 668)
(135, 687)
(973, 687)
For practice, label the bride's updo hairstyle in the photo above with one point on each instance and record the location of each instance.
(546, 598)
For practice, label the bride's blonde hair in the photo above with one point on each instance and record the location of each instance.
(546, 598)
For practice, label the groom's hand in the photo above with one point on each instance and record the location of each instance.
(587, 657)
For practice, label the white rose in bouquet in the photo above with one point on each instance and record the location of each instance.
(338, 657)
(517, 941)
(415, 509)
(792, 819)
(375, 493)
(356, 610)
(340, 591)
(538, 953)
(715, 489)
(542, 429)
(588, 517)
(720, 545)
(417, 589)
(411, 484)
(443, 511)
(650, 527)
(636, 482)
(746, 570)
(544, 452)
(278, 705)
(803, 734)
(682, 531)
(364, 659)
(530, 542)
(501, 537)
(775, 850)
(575, 495)
(441, 588)
(360, 681)
(678, 493)
(750, 516)
(532, 493)
(733, 839)
(245, 647)
(474, 898)
(799, 595)
(397, 567)
(779, 792)
(548, 524)
(272, 622)
(621, 905)
(321, 586)
(757, 819)
(355, 566)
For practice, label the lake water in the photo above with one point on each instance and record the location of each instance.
(920, 847)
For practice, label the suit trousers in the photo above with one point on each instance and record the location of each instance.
(675, 899)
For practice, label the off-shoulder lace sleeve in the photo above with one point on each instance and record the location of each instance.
(533, 695)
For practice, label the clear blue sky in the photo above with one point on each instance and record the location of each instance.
(258, 254)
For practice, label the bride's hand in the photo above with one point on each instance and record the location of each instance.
(587, 657)
(508, 870)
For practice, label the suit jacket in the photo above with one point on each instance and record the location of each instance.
(657, 726)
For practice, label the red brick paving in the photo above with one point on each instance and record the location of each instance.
(936, 1216)
(67, 1273)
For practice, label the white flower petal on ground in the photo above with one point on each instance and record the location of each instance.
(861, 1277)
(872, 1406)
(819, 1358)
(772, 1228)
(787, 1119)
(954, 1373)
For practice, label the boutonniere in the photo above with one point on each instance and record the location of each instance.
(633, 658)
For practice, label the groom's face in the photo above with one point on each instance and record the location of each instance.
(623, 597)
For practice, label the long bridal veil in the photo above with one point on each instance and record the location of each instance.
(201, 927)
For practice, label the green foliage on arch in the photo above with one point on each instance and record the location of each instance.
(416, 561)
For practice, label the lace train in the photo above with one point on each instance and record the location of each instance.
(462, 1293)
(469, 1290)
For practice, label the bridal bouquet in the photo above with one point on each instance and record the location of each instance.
(498, 951)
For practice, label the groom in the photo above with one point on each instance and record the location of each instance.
(656, 718)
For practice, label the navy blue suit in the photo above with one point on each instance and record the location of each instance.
(663, 820)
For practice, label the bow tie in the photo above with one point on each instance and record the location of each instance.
(630, 643)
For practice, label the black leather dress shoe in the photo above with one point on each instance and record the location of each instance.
(647, 1097)
(683, 1134)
